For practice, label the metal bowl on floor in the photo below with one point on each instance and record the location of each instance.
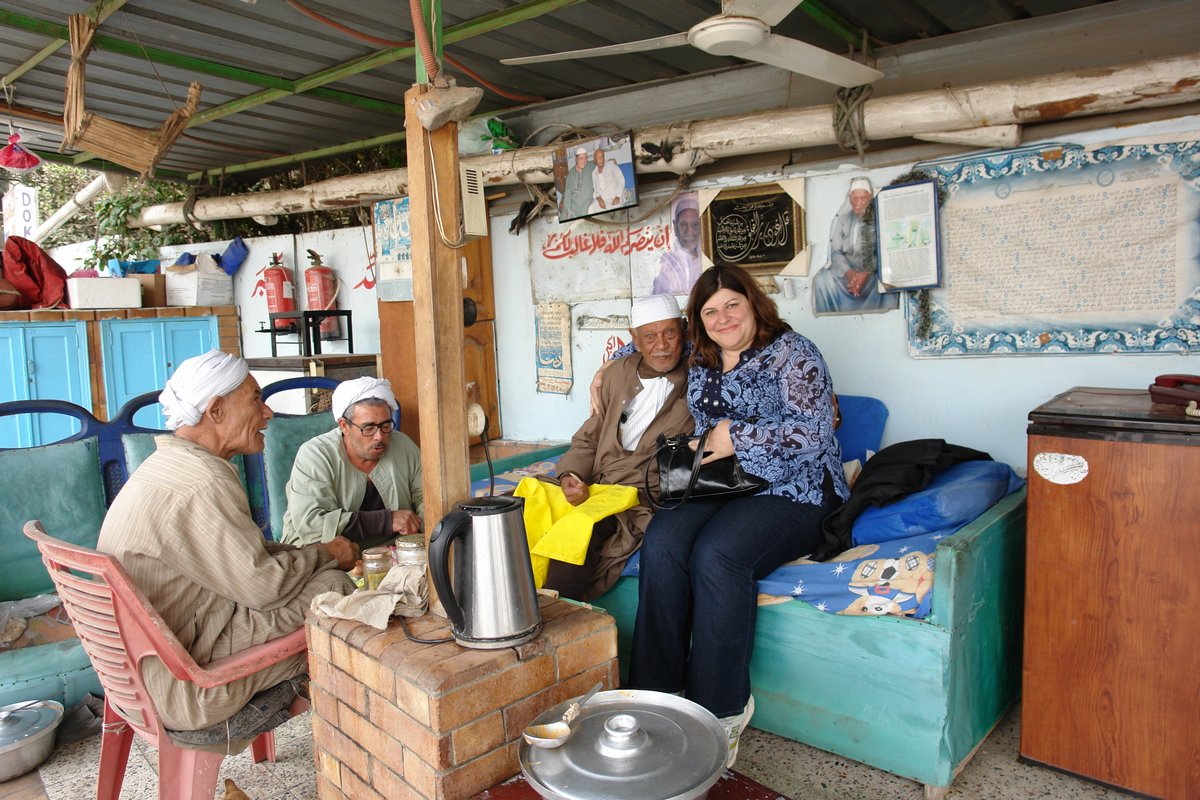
(629, 744)
(27, 736)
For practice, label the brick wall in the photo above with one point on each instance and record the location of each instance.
(396, 719)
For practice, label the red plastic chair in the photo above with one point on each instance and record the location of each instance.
(118, 628)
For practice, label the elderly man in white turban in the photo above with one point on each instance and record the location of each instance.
(182, 528)
(361, 480)
(846, 285)
(641, 396)
(579, 188)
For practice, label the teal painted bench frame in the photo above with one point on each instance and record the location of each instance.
(913, 697)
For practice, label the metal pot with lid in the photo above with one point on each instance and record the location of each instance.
(27, 735)
(627, 744)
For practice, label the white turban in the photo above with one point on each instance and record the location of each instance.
(860, 183)
(653, 308)
(350, 392)
(198, 380)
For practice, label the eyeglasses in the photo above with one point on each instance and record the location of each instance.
(371, 428)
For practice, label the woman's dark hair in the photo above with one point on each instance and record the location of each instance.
(705, 352)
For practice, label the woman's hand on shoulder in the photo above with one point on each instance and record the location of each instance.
(718, 444)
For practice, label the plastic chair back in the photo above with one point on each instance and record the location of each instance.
(118, 627)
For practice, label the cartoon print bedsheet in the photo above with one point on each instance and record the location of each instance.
(894, 577)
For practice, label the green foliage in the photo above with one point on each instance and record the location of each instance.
(137, 244)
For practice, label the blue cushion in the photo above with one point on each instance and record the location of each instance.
(956, 495)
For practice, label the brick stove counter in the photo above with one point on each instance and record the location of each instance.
(396, 719)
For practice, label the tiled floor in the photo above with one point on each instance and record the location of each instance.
(790, 768)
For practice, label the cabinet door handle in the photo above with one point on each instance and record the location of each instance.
(29, 370)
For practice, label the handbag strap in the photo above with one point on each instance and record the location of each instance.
(687, 494)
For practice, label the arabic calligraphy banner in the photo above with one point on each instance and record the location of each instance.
(1066, 249)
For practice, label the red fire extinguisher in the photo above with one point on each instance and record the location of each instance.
(280, 295)
(322, 288)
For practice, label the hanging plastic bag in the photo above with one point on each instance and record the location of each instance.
(480, 136)
(17, 158)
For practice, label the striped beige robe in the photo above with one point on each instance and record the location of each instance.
(182, 528)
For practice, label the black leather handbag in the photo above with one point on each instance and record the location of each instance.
(682, 477)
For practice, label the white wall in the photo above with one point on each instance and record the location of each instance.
(979, 402)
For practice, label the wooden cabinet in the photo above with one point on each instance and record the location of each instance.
(42, 361)
(1111, 660)
(398, 351)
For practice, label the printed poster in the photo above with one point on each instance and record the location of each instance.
(553, 342)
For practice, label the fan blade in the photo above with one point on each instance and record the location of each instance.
(771, 12)
(660, 43)
(806, 59)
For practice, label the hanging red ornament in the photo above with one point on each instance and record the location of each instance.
(17, 158)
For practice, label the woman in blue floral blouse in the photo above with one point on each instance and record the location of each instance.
(765, 392)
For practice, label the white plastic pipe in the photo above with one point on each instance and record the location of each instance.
(69, 209)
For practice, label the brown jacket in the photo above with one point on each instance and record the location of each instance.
(597, 456)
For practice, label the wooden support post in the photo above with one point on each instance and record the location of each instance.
(438, 311)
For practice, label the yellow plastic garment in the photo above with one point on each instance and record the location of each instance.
(558, 530)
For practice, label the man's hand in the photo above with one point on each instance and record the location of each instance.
(718, 444)
(405, 523)
(575, 490)
(856, 280)
(600, 200)
(342, 549)
(594, 389)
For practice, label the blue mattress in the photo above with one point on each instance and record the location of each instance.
(895, 576)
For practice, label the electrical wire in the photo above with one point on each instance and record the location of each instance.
(366, 37)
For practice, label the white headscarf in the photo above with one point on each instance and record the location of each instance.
(653, 308)
(350, 392)
(197, 381)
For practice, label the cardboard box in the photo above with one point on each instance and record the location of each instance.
(204, 285)
(104, 292)
(154, 290)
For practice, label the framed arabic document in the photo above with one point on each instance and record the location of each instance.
(759, 228)
(906, 236)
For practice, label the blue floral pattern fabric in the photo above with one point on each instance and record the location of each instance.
(779, 402)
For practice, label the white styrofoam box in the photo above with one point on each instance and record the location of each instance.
(104, 292)
(206, 285)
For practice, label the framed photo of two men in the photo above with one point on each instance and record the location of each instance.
(594, 176)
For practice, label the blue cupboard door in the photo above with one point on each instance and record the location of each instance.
(42, 361)
(59, 357)
(140, 354)
(16, 430)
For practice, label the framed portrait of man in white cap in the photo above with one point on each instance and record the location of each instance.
(594, 176)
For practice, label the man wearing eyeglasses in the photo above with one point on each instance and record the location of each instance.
(361, 480)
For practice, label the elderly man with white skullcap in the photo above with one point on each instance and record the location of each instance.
(361, 480)
(181, 526)
(640, 396)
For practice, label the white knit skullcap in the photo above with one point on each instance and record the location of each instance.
(860, 183)
(654, 308)
(581, 151)
(350, 392)
(197, 381)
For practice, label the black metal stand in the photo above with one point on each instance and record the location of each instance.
(309, 323)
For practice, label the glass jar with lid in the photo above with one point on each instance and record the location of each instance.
(377, 562)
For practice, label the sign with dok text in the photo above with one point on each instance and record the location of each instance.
(21, 211)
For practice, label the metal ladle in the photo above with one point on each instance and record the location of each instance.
(555, 734)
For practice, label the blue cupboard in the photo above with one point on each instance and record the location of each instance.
(140, 354)
(42, 361)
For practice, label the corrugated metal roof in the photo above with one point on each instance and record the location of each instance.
(270, 41)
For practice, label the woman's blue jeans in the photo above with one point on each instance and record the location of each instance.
(698, 592)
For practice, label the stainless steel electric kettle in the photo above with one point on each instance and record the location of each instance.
(492, 600)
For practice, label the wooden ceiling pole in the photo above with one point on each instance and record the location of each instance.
(434, 193)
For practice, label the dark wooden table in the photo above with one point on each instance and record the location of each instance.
(731, 786)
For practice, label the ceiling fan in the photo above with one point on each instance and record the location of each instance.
(743, 30)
